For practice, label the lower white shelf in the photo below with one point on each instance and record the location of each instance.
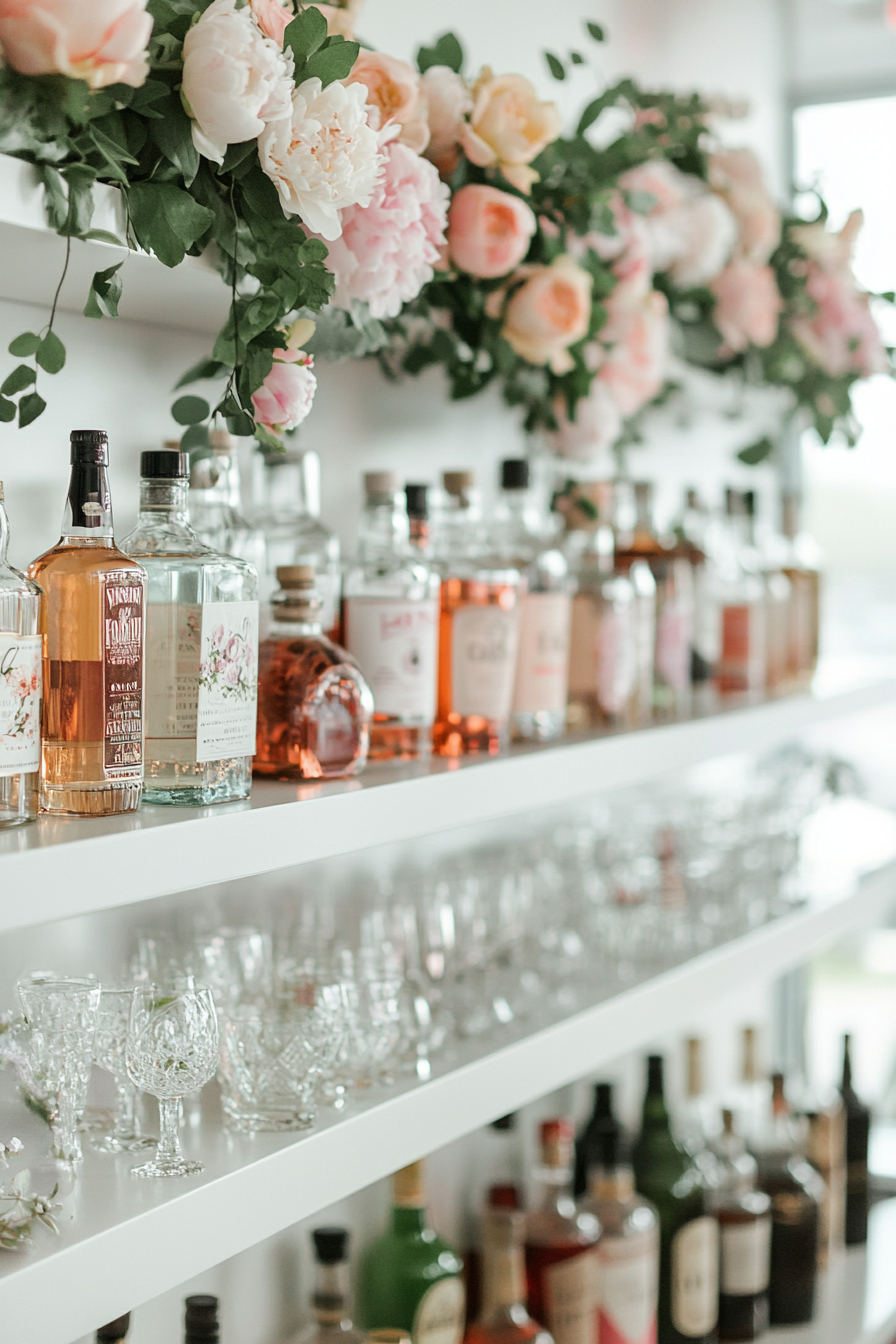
(124, 1242)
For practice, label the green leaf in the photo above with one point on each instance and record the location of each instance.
(174, 138)
(242, 425)
(555, 65)
(757, 452)
(21, 377)
(166, 219)
(236, 154)
(55, 198)
(447, 51)
(76, 101)
(103, 236)
(597, 32)
(206, 368)
(577, 58)
(7, 410)
(30, 407)
(105, 293)
(194, 438)
(332, 63)
(190, 410)
(80, 178)
(51, 353)
(590, 115)
(24, 345)
(304, 35)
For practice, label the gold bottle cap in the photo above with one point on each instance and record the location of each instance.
(695, 1066)
(458, 482)
(408, 1190)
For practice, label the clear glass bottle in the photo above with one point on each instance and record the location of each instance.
(201, 648)
(21, 675)
(286, 507)
(802, 566)
(478, 632)
(390, 614)
(826, 1150)
(215, 502)
(697, 1121)
(742, 660)
(93, 626)
(522, 534)
(745, 1229)
(503, 1318)
(314, 706)
(331, 1301)
(560, 1241)
(750, 1098)
(778, 595)
(695, 534)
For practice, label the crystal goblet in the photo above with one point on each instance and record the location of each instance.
(61, 1018)
(109, 1053)
(172, 1050)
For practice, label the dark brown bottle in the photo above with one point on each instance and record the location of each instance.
(858, 1123)
(745, 1238)
(115, 1332)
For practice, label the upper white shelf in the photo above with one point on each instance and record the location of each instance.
(124, 1242)
(192, 297)
(64, 867)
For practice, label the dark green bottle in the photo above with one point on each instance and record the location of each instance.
(410, 1278)
(858, 1124)
(689, 1235)
(589, 1144)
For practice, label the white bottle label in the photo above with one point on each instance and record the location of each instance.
(673, 645)
(228, 681)
(570, 1296)
(395, 643)
(439, 1318)
(695, 1277)
(483, 660)
(746, 1248)
(173, 634)
(543, 659)
(627, 1288)
(20, 691)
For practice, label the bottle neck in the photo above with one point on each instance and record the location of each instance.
(163, 498)
(503, 1278)
(611, 1183)
(285, 486)
(4, 532)
(408, 1218)
(553, 1186)
(331, 1300)
(88, 508)
(419, 533)
(656, 1114)
(384, 529)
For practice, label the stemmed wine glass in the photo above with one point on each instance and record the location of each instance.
(172, 1050)
(60, 1017)
(109, 1053)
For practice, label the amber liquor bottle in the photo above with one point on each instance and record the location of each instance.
(745, 1230)
(504, 1318)
(93, 627)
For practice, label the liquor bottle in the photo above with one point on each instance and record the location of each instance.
(826, 1150)
(689, 1236)
(93, 626)
(20, 688)
(390, 613)
(215, 501)
(858, 1123)
(201, 1319)
(694, 533)
(503, 1318)
(478, 632)
(560, 1241)
(628, 1253)
(410, 1278)
(331, 1300)
(201, 648)
(419, 530)
(314, 706)
(115, 1332)
(796, 1192)
(542, 661)
(590, 1139)
(750, 1099)
(286, 508)
(802, 565)
(497, 1183)
(778, 597)
(603, 651)
(745, 1228)
(632, 560)
(741, 668)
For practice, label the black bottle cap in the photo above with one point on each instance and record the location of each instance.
(603, 1099)
(164, 464)
(505, 1121)
(654, 1073)
(90, 445)
(115, 1331)
(201, 1319)
(417, 503)
(515, 473)
(749, 498)
(330, 1245)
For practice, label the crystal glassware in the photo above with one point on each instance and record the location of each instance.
(172, 1050)
(20, 688)
(61, 1020)
(269, 1059)
(109, 1052)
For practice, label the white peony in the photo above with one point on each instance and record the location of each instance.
(689, 231)
(236, 80)
(325, 157)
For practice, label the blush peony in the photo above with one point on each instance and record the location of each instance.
(448, 101)
(286, 395)
(841, 336)
(273, 17)
(99, 41)
(689, 231)
(509, 126)
(548, 313)
(235, 79)
(747, 305)
(394, 90)
(324, 157)
(736, 174)
(388, 248)
(634, 367)
(489, 231)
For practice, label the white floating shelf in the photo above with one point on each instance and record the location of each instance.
(130, 1241)
(65, 867)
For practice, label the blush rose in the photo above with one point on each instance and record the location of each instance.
(394, 90)
(286, 395)
(448, 101)
(747, 305)
(508, 127)
(548, 313)
(99, 41)
(489, 231)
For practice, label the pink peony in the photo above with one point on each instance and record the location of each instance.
(388, 249)
(736, 174)
(689, 231)
(547, 314)
(841, 336)
(285, 396)
(747, 305)
(273, 17)
(100, 41)
(634, 368)
(488, 231)
(394, 91)
(448, 101)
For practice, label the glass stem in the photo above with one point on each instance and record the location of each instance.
(65, 1132)
(126, 1126)
(169, 1149)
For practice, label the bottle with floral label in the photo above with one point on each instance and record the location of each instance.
(742, 659)
(20, 688)
(745, 1229)
(503, 1318)
(478, 632)
(390, 614)
(93, 626)
(201, 648)
(314, 705)
(215, 501)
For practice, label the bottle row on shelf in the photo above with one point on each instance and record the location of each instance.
(137, 673)
(671, 1236)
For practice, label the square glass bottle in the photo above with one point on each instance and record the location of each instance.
(20, 688)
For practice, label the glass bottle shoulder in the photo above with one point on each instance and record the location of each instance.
(562, 1224)
(198, 575)
(81, 557)
(392, 575)
(631, 1216)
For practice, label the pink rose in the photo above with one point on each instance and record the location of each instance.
(218, 634)
(100, 41)
(273, 18)
(448, 101)
(285, 396)
(232, 675)
(736, 174)
(548, 313)
(841, 336)
(488, 231)
(341, 18)
(634, 368)
(220, 665)
(394, 90)
(233, 646)
(747, 304)
(657, 178)
(509, 126)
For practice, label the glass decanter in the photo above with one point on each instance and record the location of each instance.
(20, 688)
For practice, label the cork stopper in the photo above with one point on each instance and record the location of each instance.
(295, 577)
(695, 1067)
(381, 486)
(458, 482)
(222, 441)
(387, 1335)
(557, 1138)
(171, 445)
(779, 1101)
(408, 1190)
(749, 1069)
